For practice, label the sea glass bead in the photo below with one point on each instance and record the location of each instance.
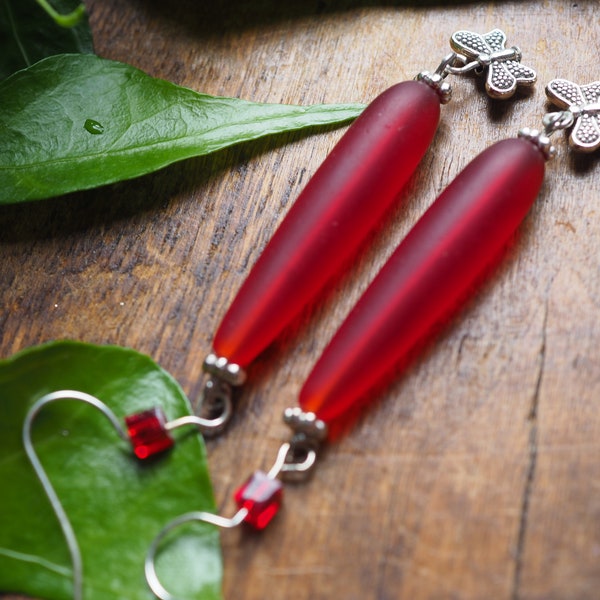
(432, 270)
(344, 200)
(261, 496)
(147, 432)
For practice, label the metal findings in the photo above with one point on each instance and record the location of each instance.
(300, 453)
(478, 53)
(148, 432)
(217, 399)
(57, 507)
(204, 517)
(259, 498)
(581, 106)
(221, 368)
(582, 111)
(540, 139)
(436, 80)
(504, 69)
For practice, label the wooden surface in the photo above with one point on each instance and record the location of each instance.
(476, 474)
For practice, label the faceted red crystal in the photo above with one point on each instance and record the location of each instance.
(434, 268)
(347, 196)
(147, 432)
(261, 496)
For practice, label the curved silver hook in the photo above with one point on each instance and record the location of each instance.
(55, 502)
(286, 463)
(200, 422)
(198, 516)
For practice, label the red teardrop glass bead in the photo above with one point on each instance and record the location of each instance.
(347, 196)
(147, 432)
(434, 268)
(261, 496)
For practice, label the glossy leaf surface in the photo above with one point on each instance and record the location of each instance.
(73, 122)
(28, 34)
(115, 503)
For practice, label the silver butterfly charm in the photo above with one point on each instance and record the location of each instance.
(583, 103)
(505, 71)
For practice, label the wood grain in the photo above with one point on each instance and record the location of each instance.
(476, 474)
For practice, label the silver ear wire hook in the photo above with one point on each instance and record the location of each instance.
(199, 516)
(55, 502)
(59, 511)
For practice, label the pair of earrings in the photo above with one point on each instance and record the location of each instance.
(433, 268)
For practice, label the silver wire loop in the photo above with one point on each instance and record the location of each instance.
(436, 80)
(293, 460)
(199, 516)
(485, 60)
(558, 121)
(297, 458)
(57, 507)
(216, 404)
(553, 122)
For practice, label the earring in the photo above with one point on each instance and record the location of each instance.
(347, 196)
(424, 280)
(323, 229)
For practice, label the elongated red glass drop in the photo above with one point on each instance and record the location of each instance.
(344, 200)
(433, 269)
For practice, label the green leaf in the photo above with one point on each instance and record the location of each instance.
(74, 122)
(116, 505)
(28, 34)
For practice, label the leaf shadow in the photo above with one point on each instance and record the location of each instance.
(153, 193)
(213, 18)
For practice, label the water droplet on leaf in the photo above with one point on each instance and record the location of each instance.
(93, 126)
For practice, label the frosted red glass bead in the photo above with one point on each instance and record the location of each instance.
(344, 200)
(434, 268)
(147, 432)
(261, 496)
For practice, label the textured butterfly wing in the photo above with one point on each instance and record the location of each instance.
(472, 45)
(500, 82)
(566, 94)
(586, 134)
(495, 40)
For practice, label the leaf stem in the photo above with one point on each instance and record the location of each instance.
(16, 35)
(69, 20)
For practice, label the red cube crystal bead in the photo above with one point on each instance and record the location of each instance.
(261, 496)
(147, 432)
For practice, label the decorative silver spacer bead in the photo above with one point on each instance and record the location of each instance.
(222, 369)
(436, 81)
(306, 424)
(540, 140)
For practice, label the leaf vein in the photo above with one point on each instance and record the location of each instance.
(37, 560)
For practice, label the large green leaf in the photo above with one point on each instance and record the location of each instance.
(28, 34)
(115, 504)
(73, 122)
